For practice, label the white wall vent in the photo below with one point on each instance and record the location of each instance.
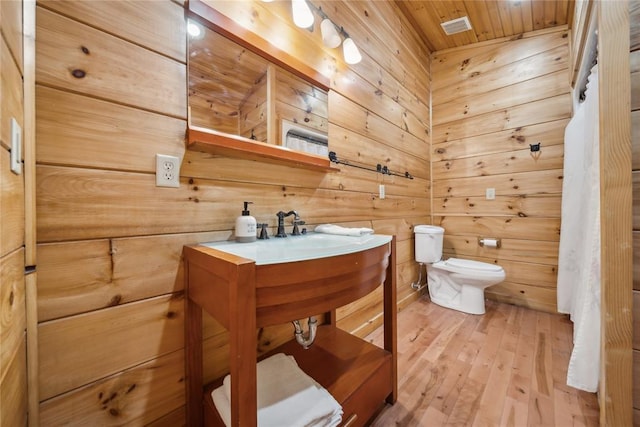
(457, 25)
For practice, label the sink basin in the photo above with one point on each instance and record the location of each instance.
(300, 248)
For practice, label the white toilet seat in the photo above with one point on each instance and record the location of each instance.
(466, 267)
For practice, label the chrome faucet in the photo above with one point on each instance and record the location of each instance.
(281, 216)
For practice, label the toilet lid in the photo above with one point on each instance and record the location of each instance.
(475, 265)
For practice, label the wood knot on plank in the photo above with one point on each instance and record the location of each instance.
(78, 73)
(85, 50)
(115, 300)
(110, 398)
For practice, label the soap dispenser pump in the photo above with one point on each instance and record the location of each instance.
(246, 226)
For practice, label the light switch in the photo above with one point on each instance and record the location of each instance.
(491, 193)
(16, 147)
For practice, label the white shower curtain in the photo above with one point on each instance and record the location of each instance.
(579, 257)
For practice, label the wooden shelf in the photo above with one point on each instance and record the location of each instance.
(356, 373)
(213, 142)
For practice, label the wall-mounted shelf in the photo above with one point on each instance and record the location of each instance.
(213, 142)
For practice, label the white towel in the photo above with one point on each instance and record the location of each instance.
(286, 397)
(344, 231)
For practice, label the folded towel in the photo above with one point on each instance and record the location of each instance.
(286, 397)
(344, 231)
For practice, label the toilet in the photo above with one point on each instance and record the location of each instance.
(454, 283)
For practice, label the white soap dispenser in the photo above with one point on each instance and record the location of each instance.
(246, 226)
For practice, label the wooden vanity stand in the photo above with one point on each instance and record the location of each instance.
(244, 296)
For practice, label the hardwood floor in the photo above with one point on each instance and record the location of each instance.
(505, 368)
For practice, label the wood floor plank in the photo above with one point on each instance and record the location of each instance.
(441, 342)
(504, 368)
(515, 413)
(541, 412)
(433, 418)
(493, 398)
(467, 404)
(451, 386)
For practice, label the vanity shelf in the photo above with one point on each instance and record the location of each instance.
(213, 142)
(243, 296)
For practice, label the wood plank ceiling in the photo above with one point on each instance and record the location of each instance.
(490, 19)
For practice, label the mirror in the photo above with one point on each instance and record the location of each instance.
(235, 91)
(227, 86)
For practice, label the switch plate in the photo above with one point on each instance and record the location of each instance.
(16, 147)
(490, 193)
(167, 171)
(381, 191)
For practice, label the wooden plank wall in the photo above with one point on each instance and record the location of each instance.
(111, 93)
(490, 102)
(13, 366)
(634, 60)
(616, 216)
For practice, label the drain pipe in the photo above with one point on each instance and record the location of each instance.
(418, 286)
(300, 338)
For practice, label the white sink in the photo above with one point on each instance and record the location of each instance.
(300, 248)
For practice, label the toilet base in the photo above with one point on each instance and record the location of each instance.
(448, 304)
(446, 293)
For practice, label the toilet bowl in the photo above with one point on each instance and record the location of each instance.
(454, 283)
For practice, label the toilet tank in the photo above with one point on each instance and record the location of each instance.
(428, 243)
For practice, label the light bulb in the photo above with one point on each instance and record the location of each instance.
(193, 29)
(330, 36)
(351, 52)
(302, 15)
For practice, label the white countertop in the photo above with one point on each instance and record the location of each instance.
(308, 246)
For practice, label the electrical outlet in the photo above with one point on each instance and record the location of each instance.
(381, 191)
(490, 193)
(167, 171)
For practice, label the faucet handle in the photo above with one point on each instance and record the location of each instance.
(263, 231)
(296, 223)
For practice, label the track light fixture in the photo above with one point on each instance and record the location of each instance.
(302, 15)
(330, 36)
(350, 51)
(302, 11)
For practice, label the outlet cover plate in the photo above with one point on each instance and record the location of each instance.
(167, 171)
